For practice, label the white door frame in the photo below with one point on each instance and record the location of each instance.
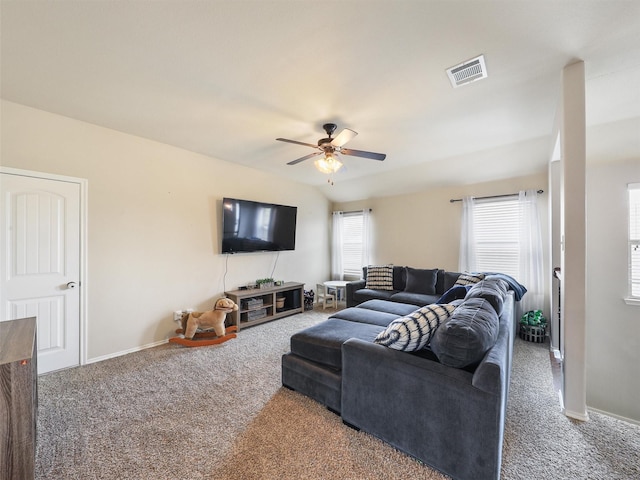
(83, 184)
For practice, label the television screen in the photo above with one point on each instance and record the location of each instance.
(257, 227)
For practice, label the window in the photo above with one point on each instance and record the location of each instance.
(496, 229)
(352, 244)
(349, 245)
(634, 241)
(504, 236)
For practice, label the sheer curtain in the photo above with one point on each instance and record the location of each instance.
(531, 261)
(366, 236)
(467, 258)
(337, 238)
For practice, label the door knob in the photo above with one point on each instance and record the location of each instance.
(72, 285)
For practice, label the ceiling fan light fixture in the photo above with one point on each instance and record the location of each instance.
(329, 147)
(328, 164)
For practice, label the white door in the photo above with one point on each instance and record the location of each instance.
(40, 261)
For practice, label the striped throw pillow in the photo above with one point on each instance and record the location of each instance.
(467, 278)
(380, 277)
(414, 332)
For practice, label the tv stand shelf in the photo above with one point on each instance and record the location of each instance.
(258, 305)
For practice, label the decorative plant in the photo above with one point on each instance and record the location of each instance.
(264, 282)
(533, 318)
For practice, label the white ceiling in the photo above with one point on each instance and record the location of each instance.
(225, 78)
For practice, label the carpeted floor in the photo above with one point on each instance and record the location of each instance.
(220, 412)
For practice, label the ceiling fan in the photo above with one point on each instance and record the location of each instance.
(330, 147)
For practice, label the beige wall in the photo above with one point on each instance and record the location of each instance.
(154, 221)
(422, 229)
(613, 327)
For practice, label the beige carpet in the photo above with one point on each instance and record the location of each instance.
(220, 413)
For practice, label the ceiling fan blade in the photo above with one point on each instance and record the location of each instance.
(343, 137)
(360, 153)
(306, 157)
(297, 143)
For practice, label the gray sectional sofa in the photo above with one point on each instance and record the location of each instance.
(443, 404)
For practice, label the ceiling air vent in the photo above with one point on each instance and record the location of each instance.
(467, 72)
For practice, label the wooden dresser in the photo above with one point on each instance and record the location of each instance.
(18, 398)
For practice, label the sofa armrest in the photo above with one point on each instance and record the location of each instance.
(494, 372)
(426, 409)
(351, 288)
(360, 357)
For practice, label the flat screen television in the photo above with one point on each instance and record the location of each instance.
(249, 226)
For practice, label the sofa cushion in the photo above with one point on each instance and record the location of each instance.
(368, 294)
(417, 299)
(421, 281)
(467, 278)
(454, 293)
(492, 289)
(467, 335)
(397, 308)
(322, 343)
(414, 331)
(365, 315)
(380, 277)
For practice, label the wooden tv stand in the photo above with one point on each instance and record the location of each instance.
(258, 305)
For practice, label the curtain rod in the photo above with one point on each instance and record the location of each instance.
(493, 196)
(358, 211)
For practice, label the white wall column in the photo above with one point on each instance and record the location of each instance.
(573, 227)
(555, 254)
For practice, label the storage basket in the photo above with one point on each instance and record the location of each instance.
(253, 303)
(256, 314)
(533, 333)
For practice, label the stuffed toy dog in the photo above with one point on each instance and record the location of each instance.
(207, 320)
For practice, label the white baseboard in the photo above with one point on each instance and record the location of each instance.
(561, 400)
(582, 416)
(124, 352)
(556, 354)
(618, 417)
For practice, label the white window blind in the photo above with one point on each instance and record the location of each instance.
(497, 236)
(352, 245)
(634, 240)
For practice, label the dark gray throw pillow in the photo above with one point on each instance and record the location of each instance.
(469, 333)
(492, 289)
(421, 281)
(450, 279)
